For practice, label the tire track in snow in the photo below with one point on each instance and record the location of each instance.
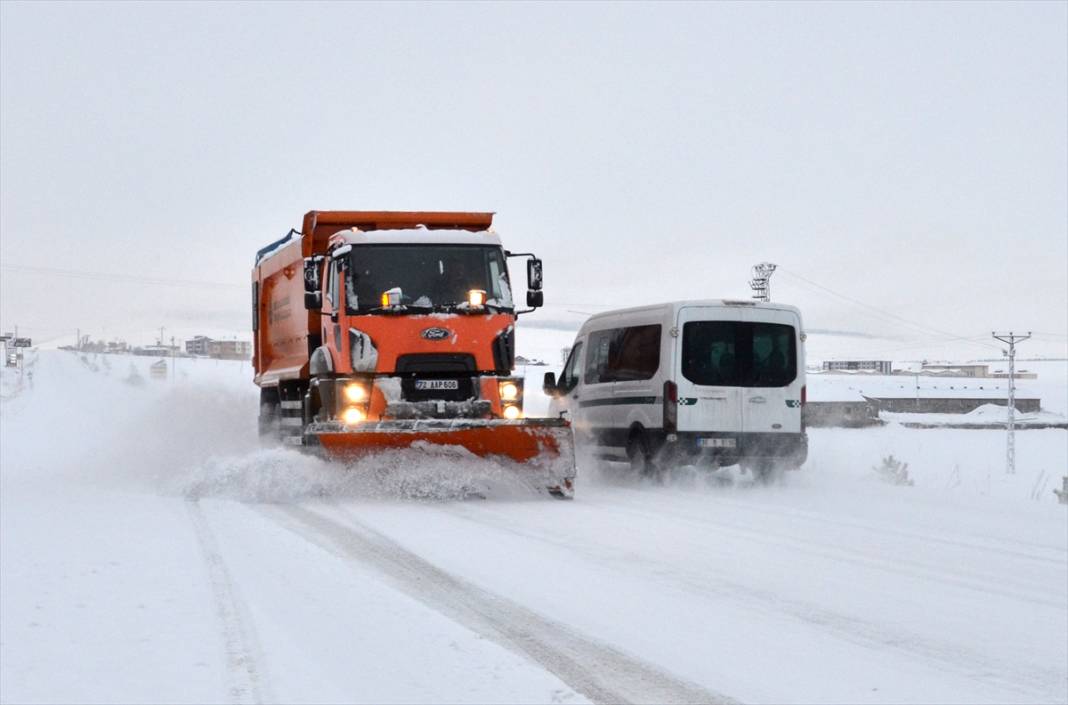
(1051, 554)
(1006, 586)
(1033, 681)
(239, 638)
(597, 671)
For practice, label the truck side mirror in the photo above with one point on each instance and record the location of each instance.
(548, 385)
(535, 299)
(313, 291)
(534, 274)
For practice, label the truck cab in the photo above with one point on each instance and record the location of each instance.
(425, 319)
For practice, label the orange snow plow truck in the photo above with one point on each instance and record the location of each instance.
(375, 330)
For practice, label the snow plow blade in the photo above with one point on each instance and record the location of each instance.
(545, 446)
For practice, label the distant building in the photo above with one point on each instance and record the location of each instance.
(1018, 374)
(948, 404)
(155, 351)
(231, 349)
(930, 394)
(198, 345)
(204, 346)
(881, 367)
(843, 408)
(950, 370)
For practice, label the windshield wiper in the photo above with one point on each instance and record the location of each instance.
(399, 308)
(464, 307)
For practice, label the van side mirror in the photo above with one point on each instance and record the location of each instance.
(548, 385)
(535, 299)
(313, 290)
(534, 274)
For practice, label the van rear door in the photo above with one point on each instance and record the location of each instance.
(771, 398)
(706, 369)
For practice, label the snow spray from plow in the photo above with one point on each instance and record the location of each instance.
(283, 476)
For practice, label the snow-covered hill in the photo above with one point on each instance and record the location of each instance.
(152, 550)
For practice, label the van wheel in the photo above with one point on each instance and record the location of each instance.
(641, 458)
(767, 472)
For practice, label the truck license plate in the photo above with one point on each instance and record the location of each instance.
(717, 443)
(430, 384)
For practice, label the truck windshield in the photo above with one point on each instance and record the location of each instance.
(739, 354)
(430, 277)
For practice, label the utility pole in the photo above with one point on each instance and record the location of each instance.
(761, 281)
(1011, 339)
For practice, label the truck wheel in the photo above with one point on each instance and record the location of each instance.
(270, 412)
(268, 419)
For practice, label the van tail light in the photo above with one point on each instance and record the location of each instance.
(804, 395)
(671, 407)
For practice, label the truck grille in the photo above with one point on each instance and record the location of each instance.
(427, 367)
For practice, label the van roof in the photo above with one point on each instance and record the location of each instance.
(674, 306)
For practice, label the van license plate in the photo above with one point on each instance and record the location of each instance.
(427, 384)
(717, 442)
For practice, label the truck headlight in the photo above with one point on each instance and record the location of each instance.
(509, 391)
(356, 392)
(512, 412)
(352, 416)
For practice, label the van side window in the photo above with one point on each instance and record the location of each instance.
(569, 377)
(623, 354)
(597, 356)
(635, 354)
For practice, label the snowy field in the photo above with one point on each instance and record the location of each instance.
(152, 551)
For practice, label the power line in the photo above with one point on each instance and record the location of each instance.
(885, 314)
(922, 344)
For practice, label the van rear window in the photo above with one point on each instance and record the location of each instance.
(739, 354)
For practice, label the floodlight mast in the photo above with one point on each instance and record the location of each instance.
(761, 281)
(1011, 339)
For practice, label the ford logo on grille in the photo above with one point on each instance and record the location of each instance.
(436, 333)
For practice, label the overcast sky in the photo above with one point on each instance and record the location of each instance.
(910, 158)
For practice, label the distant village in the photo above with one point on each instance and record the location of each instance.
(198, 346)
(856, 392)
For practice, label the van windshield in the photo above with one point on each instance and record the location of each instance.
(739, 354)
(430, 277)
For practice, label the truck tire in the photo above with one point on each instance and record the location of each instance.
(270, 412)
(291, 415)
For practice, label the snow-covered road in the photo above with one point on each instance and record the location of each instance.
(152, 551)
